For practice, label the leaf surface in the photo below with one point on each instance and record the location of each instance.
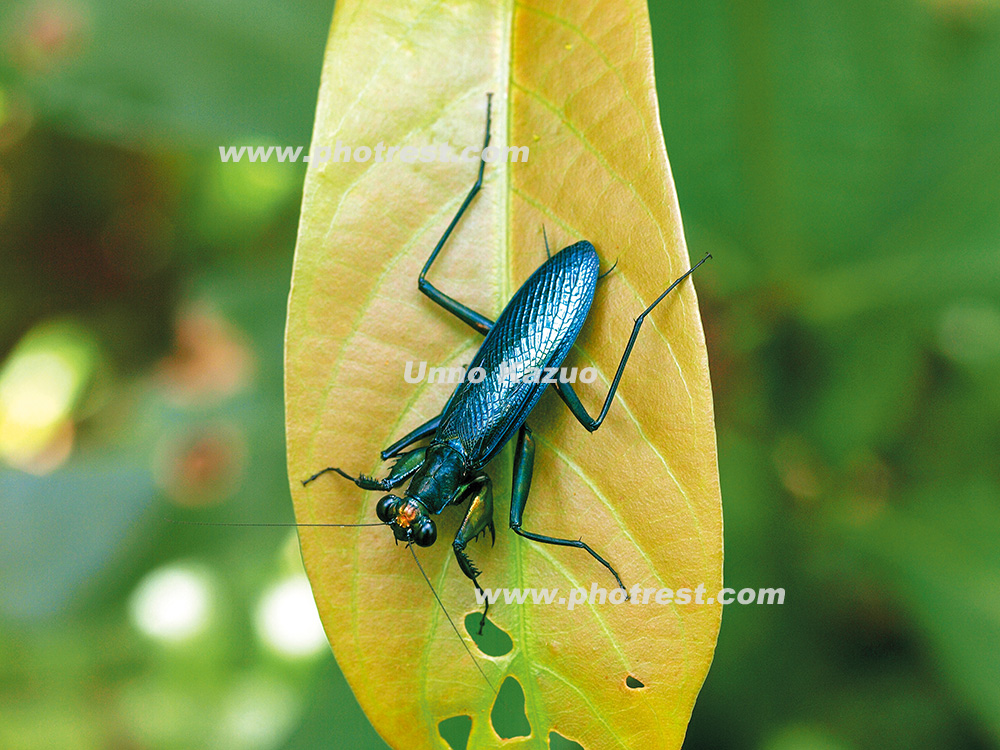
(575, 85)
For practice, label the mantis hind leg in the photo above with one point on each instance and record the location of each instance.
(568, 395)
(524, 459)
(466, 314)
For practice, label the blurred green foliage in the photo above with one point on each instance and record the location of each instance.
(841, 160)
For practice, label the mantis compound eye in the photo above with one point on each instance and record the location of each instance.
(425, 532)
(386, 508)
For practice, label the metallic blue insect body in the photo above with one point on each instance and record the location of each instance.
(535, 331)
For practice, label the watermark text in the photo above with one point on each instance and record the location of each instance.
(340, 153)
(507, 372)
(637, 595)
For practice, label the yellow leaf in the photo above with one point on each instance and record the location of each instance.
(574, 83)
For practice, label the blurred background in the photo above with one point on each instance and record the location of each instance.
(841, 160)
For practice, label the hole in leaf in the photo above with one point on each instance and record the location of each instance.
(455, 731)
(508, 717)
(633, 683)
(558, 742)
(493, 641)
